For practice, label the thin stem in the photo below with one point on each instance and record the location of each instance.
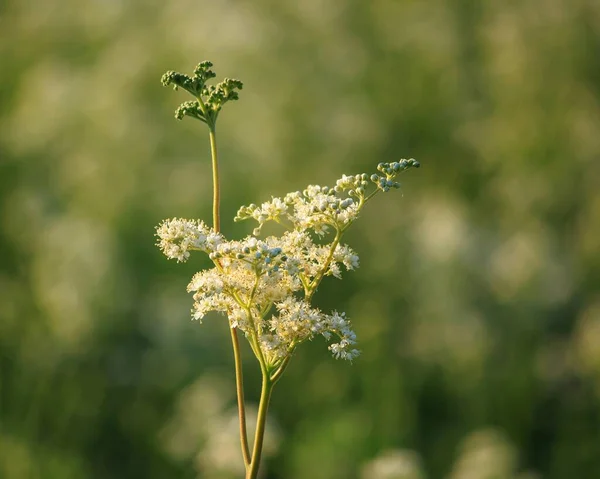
(216, 188)
(314, 284)
(265, 397)
(239, 387)
(275, 377)
(239, 378)
(364, 200)
(256, 339)
(317, 280)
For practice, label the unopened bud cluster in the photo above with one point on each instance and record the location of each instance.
(390, 170)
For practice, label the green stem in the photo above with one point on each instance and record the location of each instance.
(277, 374)
(317, 280)
(314, 284)
(237, 357)
(239, 387)
(216, 187)
(265, 397)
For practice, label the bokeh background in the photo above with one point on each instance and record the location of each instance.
(477, 304)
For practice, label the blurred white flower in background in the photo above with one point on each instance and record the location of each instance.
(487, 454)
(204, 430)
(394, 464)
(586, 343)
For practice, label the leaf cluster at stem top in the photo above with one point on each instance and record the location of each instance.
(209, 99)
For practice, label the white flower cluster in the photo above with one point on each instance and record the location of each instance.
(264, 286)
(316, 208)
(253, 275)
(296, 322)
(321, 207)
(178, 236)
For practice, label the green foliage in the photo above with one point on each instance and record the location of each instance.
(210, 98)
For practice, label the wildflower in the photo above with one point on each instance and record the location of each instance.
(255, 282)
(178, 236)
(264, 286)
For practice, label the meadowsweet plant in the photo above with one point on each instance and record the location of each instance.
(264, 286)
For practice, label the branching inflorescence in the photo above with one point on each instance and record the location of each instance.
(264, 286)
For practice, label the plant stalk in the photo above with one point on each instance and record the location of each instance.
(314, 284)
(216, 186)
(237, 357)
(265, 397)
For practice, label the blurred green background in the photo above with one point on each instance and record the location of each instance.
(477, 304)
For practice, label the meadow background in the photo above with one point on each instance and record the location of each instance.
(477, 305)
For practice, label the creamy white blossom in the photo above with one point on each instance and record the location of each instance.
(252, 276)
(296, 321)
(178, 236)
(264, 286)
